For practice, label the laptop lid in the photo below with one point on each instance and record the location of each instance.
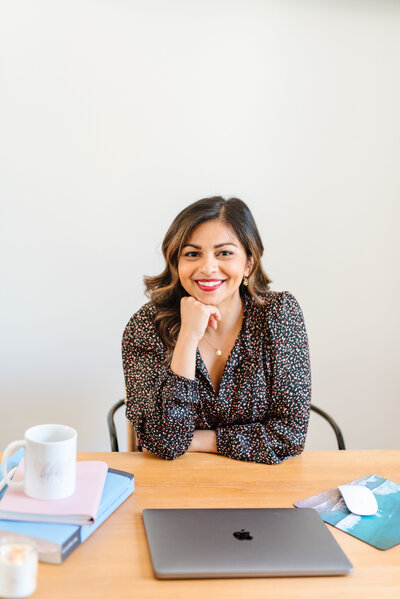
(230, 543)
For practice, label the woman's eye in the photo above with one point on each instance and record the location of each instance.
(191, 254)
(225, 253)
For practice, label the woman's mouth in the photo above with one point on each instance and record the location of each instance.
(209, 284)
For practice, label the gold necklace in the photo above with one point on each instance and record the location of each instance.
(217, 350)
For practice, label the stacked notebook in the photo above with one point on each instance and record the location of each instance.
(59, 526)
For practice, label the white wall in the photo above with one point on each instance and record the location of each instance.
(116, 114)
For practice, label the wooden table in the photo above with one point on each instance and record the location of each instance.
(115, 562)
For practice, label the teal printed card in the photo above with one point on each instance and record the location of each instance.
(382, 530)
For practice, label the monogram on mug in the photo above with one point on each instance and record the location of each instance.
(50, 461)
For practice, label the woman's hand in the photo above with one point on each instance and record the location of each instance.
(204, 440)
(196, 317)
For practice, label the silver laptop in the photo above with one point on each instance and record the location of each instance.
(241, 543)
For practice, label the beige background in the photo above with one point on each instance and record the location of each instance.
(116, 114)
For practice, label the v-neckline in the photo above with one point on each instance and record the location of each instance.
(204, 368)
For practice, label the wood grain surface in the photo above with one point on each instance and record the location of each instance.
(115, 561)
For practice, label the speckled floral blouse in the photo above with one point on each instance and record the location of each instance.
(262, 409)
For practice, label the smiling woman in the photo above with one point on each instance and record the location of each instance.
(215, 361)
(204, 267)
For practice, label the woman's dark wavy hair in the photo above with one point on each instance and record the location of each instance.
(165, 289)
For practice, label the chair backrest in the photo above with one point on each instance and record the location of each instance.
(334, 425)
(131, 438)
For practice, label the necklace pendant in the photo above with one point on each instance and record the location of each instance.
(218, 352)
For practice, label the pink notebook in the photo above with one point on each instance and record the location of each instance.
(81, 508)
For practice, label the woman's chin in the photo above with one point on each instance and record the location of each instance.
(207, 299)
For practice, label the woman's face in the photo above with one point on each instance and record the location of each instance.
(212, 263)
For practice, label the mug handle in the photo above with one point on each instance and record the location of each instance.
(11, 448)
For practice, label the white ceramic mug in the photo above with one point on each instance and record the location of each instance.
(50, 461)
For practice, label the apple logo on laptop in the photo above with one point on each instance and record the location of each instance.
(242, 535)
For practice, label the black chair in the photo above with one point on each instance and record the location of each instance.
(132, 442)
(112, 431)
(334, 425)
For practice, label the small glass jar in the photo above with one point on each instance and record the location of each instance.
(18, 567)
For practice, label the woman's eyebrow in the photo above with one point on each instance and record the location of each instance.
(198, 247)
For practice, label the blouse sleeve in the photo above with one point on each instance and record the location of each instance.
(159, 403)
(283, 432)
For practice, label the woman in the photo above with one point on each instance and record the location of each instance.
(215, 362)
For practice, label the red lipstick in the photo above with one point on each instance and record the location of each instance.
(209, 284)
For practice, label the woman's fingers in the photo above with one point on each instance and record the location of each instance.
(217, 314)
(196, 317)
(215, 317)
(212, 322)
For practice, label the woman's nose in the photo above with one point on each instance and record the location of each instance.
(208, 265)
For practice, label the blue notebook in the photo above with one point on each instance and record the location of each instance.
(55, 542)
(382, 530)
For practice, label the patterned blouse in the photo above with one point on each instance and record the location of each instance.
(261, 411)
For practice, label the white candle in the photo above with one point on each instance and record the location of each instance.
(18, 568)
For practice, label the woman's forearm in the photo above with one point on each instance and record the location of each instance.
(183, 361)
